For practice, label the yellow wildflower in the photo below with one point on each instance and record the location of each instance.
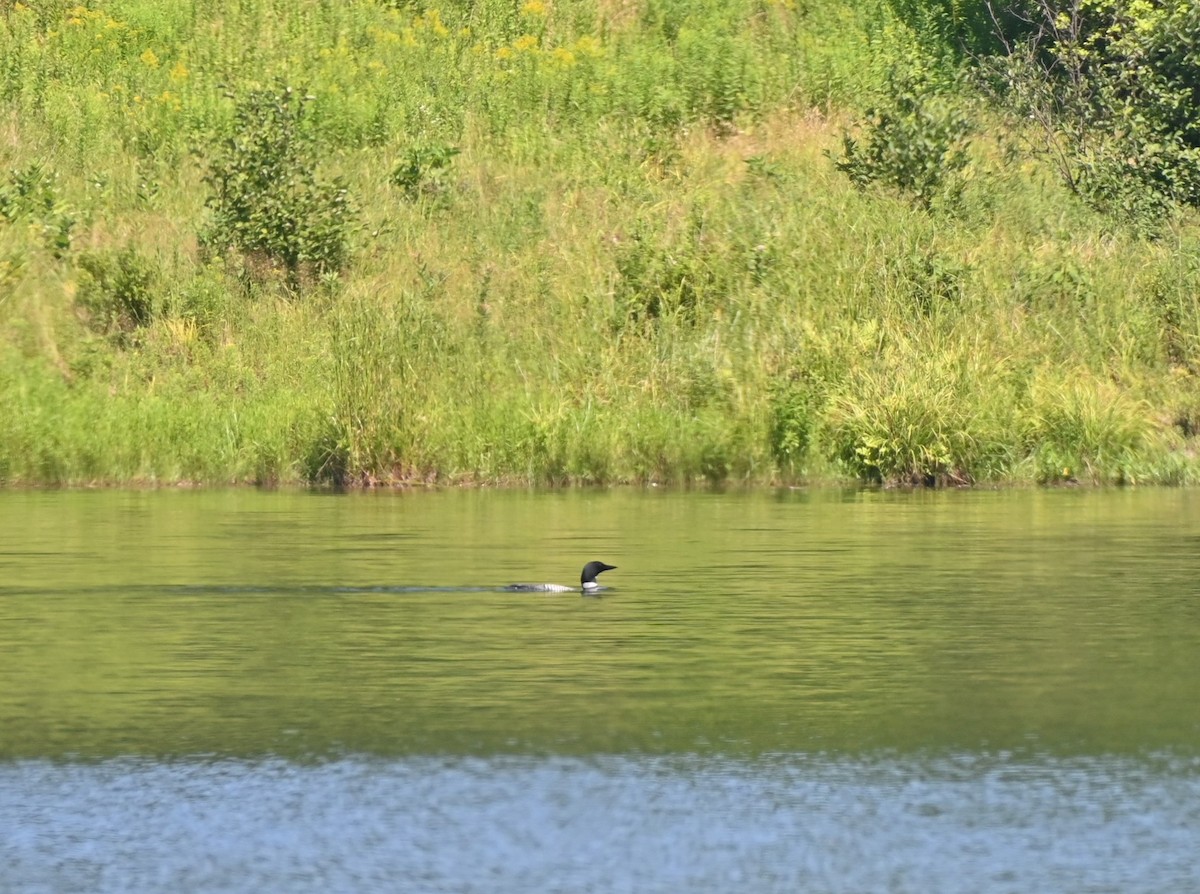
(383, 35)
(179, 71)
(149, 59)
(534, 8)
(588, 46)
(433, 21)
(504, 53)
(525, 43)
(563, 56)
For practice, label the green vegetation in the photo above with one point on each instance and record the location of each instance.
(595, 241)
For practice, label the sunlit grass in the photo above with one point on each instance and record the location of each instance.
(593, 243)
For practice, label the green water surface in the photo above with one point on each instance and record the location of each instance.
(243, 623)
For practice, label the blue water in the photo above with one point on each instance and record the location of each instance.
(616, 824)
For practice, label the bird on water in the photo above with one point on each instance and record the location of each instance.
(587, 581)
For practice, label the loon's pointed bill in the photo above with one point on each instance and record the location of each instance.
(587, 581)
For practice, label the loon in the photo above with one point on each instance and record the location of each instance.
(587, 582)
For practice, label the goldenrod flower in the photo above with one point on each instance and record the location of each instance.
(433, 21)
(588, 46)
(149, 58)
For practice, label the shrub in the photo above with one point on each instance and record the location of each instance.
(31, 193)
(267, 199)
(941, 419)
(916, 141)
(1112, 86)
(423, 171)
(118, 291)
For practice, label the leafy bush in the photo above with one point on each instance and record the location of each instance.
(423, 171)
(267, 199)
(916, 141)
(939, 419)
(963, 26)
(31, 193)
(1112, 86)
(118, 291)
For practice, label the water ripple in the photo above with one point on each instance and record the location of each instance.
(618, 824)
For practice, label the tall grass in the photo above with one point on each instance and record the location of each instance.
(589, 242)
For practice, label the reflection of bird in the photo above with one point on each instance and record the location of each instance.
(587, 581)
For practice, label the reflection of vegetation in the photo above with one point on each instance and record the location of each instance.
(922, 623)
(555, 242)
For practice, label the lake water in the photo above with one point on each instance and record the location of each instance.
(828, 691)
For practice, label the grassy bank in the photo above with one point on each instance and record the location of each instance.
(551, 242)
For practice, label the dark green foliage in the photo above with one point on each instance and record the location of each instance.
(793, 409)
(1113, 86)
(327, 459)
(118, 290)
(916, 142)
(32, 194)
(964, 27)
(424, 170)
(267, 199)
(663, 277)
(715, 76)
(927, 280)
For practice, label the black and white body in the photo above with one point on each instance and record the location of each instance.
(587, 582)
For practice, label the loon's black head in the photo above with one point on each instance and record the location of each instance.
(590, 570)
